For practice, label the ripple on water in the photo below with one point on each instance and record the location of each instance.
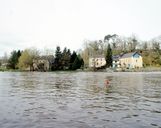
(79, 99)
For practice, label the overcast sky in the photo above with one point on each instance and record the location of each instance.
(48, 23)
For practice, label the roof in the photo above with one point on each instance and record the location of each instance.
(97, 56)
(50, 58)
(45, 57)
(127, 55)
(116, 57)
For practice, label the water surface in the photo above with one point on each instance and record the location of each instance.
(80, 100)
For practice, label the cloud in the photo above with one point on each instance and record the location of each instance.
(39, 23)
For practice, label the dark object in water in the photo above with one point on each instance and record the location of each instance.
(107, 83)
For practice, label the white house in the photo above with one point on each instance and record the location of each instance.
(128, 60)
(131, 60)
(97, 61)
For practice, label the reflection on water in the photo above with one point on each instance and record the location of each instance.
(81, 99)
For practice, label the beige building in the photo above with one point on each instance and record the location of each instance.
(43, 63)
(131, 60)
(97, 61)
(128, 60)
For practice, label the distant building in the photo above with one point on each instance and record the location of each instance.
(97, 61)
(128, 60)
(115, 61)
(3, 63)
(43, 63)
(131, 60)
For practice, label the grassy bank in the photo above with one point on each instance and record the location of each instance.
(145, 69)
(151, 69)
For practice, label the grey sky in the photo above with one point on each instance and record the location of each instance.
(47, 23)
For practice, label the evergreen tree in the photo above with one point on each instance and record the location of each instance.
(108, 56)
(19, 53)
(81, 62)
(58, 57)
(72, 59)
(13, 60)
(66, 58)
(78, 62)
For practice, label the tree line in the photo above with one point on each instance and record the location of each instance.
(65, 60)
(114, 45)
(108, 46)
(60, 60)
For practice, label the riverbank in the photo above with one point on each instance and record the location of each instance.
(146, 69)
(9, 70)
(80, 100)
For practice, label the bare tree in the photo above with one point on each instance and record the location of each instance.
(155, 45)
(145, 45)
(5, 58)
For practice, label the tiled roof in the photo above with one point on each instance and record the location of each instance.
(98, 56)
(127, 55)
(116, 57)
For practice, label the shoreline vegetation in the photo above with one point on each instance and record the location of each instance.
(109, 70)
(32, 59)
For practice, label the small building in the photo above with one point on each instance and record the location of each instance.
(131, 60)
(4, 65)
(43, 63)
(97, 61)
(115, 61)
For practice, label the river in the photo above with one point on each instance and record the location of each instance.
(80, 100)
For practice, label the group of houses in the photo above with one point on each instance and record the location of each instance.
(43, 63)
(125, 61)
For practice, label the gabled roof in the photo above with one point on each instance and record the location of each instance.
(45, 57)
(127, 55)
(116, 57)
(97, 56)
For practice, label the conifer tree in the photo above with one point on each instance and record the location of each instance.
(108, 56)
(78, 62)
(66, 58)
(58, 58)
(13, 60)
(72, 59)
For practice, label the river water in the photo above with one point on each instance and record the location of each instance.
(80, 100)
